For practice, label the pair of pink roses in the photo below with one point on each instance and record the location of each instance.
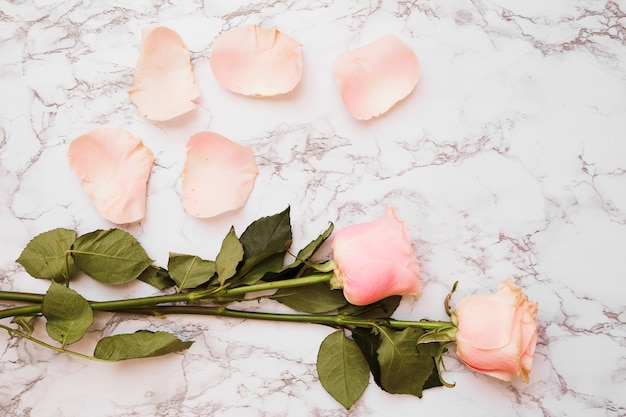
(495, 333)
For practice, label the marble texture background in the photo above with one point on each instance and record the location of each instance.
(509, 159)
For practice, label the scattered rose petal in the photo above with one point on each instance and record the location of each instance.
(375, 77)
(257, 62)
(218, 175)
(114, 168)
(163, 85)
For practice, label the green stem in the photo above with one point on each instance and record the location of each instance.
(154, 306)
(274, 285)
(213, 294)
(25, 297)
(327, 319)
(21, 311)
(47, 345)
(187, 297)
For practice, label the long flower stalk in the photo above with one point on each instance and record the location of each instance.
(186, 297)
(161, 305)
(339, 320)
(24, 297)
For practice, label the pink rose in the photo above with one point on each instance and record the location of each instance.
(376, 260)
(497, 332)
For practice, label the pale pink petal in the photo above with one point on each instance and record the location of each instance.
(218, 175)
(257, 62)
(375, 77)
(163, 85)
(481, 308)
(114, 168)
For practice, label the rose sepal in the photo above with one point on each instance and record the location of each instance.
(441, 335)
(327, 266)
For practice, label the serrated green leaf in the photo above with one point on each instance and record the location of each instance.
(342, 369)
(256, 267)
(403, 368)
(189, 271)
(369, 342)
(305, 253)
(265, 244)
(141, 344)
(25, 323)
(68, 315)
(317, 298)
(157, 277)
(229, 257)
(45, 256)
(380, 309)
(110, 256)
(270, 234)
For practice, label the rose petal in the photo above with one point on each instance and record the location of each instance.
(373, 78)
(163, 85)
(256, 62)
(114, 168)
(218, 175)
(488, 312)
(502, 361)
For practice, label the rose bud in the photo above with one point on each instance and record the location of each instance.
(375, 260)
(497, 333)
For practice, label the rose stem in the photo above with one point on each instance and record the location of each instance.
(20, 296)
(188, 297)
(331, 319)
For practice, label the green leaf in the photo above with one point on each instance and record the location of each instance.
(25, 323)
(268, 234)
(68, 315)
(369, 342)
(157, 277)
(403, 368)
(141, 344)
(229, 256)
(342, 369)
(380, 309)
(433, 380)
(305, 253)
(110, 256)
(256, 267)
(265, 244)
(45, 255)
(317, 298)
(189, 271)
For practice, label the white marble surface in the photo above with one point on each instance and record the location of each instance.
(507, 160)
